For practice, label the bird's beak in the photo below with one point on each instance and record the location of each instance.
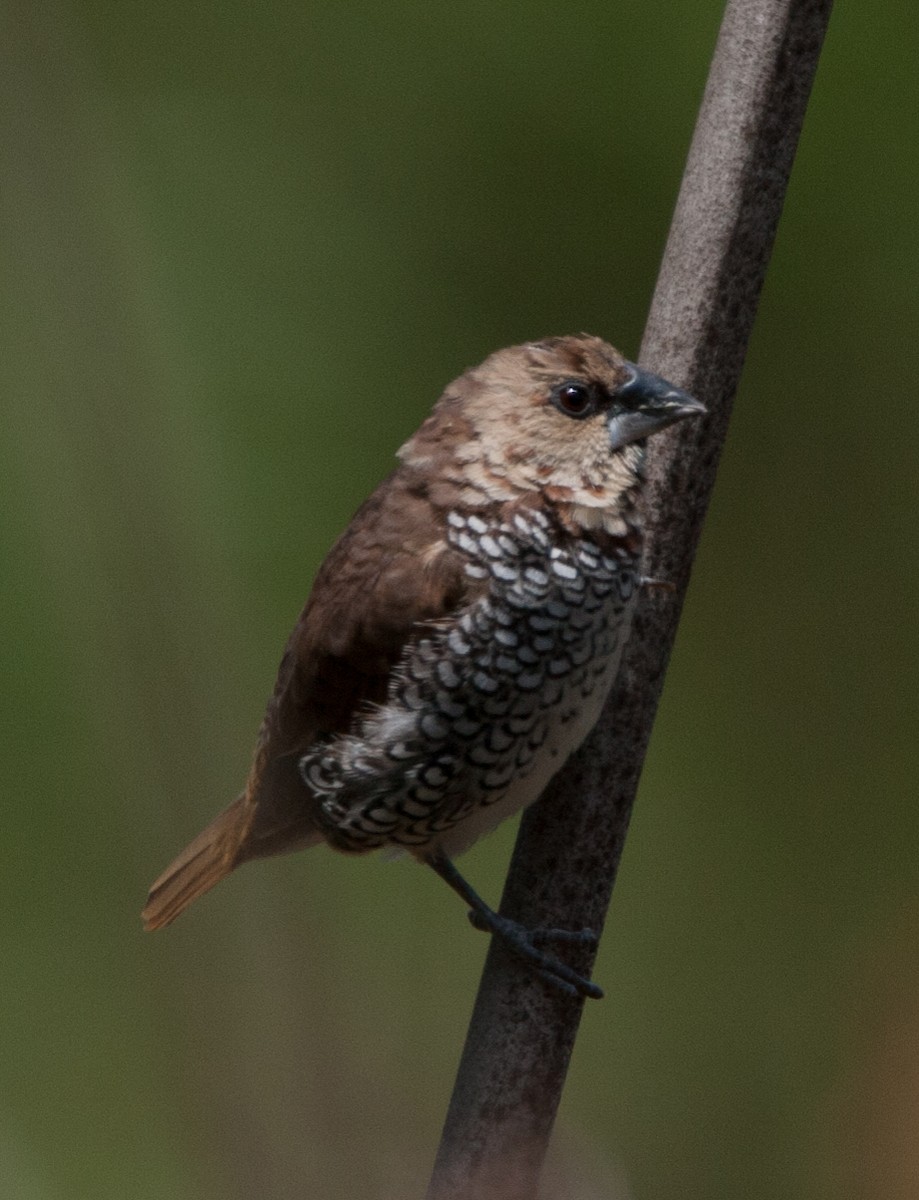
(645, 403)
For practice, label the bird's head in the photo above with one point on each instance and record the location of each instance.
(564, 418)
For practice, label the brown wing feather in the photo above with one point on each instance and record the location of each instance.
(389, 575)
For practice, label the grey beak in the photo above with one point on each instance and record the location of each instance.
(645, 404)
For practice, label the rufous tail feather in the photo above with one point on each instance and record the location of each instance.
(205, 861)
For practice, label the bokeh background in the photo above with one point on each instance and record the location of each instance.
(245, 246)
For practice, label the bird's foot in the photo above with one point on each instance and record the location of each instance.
(525, 944)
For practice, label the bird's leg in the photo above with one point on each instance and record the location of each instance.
(520, 941)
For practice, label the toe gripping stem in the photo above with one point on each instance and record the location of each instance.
(524, 943)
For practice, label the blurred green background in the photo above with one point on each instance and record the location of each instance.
(244, 249)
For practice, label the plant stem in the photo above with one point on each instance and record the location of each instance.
(564, 865)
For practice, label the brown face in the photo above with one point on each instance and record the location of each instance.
(542, 419)
(535, 418)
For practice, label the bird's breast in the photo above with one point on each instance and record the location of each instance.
(484, 708)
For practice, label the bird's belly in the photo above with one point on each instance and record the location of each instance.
(563, 738)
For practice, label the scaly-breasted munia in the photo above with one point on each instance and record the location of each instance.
(461, 635)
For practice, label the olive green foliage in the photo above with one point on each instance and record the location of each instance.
(245, 248)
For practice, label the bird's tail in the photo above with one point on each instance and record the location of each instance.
(276, 819)
(205, 861)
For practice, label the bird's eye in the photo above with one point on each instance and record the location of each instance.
(575, 399)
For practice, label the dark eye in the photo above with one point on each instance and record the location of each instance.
(575, 399)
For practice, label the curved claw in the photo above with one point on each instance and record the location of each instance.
(560, 985)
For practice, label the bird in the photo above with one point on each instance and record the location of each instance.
(462, 633)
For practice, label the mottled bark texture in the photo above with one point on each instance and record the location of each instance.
(564, 865)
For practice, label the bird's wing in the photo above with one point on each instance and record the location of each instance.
(388, 577)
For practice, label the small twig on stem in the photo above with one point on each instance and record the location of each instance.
(567, 853)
